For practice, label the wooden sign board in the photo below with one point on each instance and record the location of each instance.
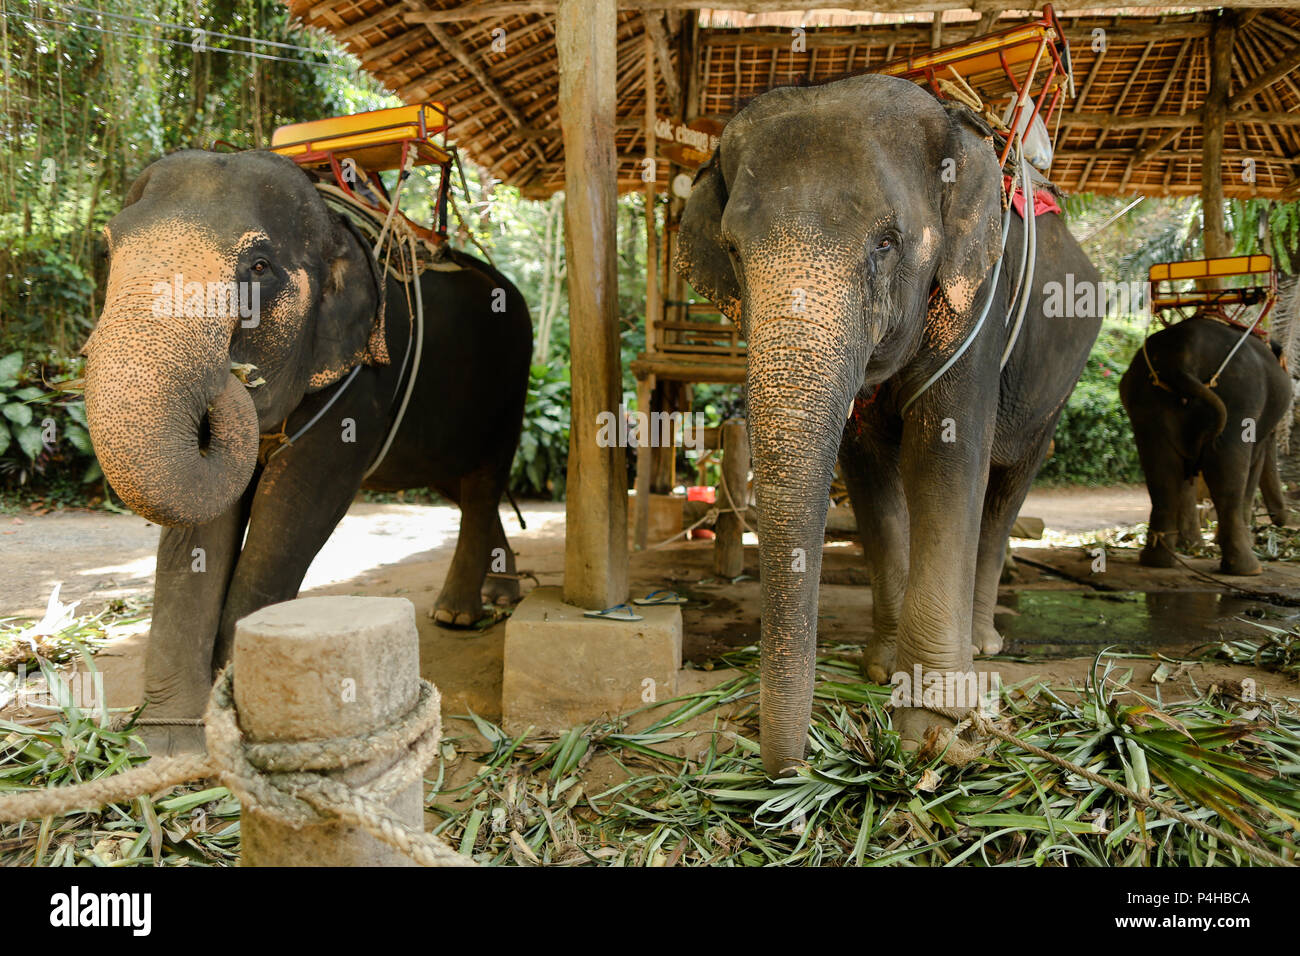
(687, 144)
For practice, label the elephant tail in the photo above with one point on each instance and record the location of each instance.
(514, 504)
(1207, 416)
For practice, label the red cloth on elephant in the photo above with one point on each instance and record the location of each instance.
(1044, 201)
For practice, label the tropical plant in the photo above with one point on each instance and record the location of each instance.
(541, 464)
(42, 432)
(1094, 442)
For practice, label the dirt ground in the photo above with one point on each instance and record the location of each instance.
(1056, 616)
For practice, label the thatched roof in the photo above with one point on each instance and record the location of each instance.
(1133, 127)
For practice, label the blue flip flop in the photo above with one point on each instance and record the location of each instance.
(619, 612)
(661, 597)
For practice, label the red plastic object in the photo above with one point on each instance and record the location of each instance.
(706, 494)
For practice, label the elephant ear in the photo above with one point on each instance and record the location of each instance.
(349, 327)
(970, 207)
(702, 257)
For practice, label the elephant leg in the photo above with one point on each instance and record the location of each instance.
(1270, 485)
(875, 486)
(1164, 470)
(194, 569)
(1005, 495)
(295, 510)
(460, 603)
(1229, 476)
(946, 483)
(1189, 522)
(298, 499)
(501, 591)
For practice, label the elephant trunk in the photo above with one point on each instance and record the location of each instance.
(800, 389)
(175, 432)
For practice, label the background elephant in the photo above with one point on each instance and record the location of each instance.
(178, 433)
(852, 229)
(1227, 433)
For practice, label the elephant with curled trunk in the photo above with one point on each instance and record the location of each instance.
(853, 229)
(186, 395)
(1185, 427)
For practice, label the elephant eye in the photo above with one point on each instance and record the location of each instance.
(885, 244)
(261, 267)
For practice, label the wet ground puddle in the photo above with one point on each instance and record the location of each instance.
(1076, 623)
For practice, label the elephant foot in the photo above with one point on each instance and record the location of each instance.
(1246, 565)
(1158, 557)
(1281, 519)
(456, 620)
(457, 607)
(501, 591)
(162, 740)
(915, 724)
(987, 640)
(878, 662)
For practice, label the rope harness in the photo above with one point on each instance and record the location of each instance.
(1019, 301)
(414, 256)
(1214, 379)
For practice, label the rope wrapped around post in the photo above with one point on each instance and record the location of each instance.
(281, 780)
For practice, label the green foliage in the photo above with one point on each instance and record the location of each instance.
(86, 108)
(1094, 440)
(540, 465)
(43, 434)
(1269, 226)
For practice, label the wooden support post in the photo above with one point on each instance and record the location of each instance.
(1214, 117)
(595, 540)
(645, 468)
(653, 308)
(729, 546)
(320, 669)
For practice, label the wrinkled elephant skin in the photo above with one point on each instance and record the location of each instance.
(852, 229)
(236, 304)
(1227, 433)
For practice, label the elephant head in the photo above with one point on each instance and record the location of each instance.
(844, 227)
(218, 260)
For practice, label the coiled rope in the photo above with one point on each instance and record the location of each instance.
(283, 781)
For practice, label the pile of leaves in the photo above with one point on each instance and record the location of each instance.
(194, 826)
(65, 639)
(860, 800)
(1277, 649)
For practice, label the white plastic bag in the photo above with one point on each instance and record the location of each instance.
(1038, 145)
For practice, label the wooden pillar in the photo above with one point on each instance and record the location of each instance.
(652, 302)
(729, 547)
(595, 545)
(645, 466)
(1214, 117)
(653, 306)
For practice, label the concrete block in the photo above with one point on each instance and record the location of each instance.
(562, 668)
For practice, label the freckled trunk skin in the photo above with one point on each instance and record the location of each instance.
(799, 390)
(149, 382)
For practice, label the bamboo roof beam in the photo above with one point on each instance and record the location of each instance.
(471, 64)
